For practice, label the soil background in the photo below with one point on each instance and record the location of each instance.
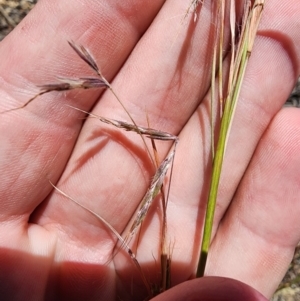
(13, 11)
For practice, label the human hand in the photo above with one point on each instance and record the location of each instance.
(53, 249)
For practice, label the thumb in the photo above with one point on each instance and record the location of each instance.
(211, 289)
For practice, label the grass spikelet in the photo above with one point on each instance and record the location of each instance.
(152, 192)
(148, 132)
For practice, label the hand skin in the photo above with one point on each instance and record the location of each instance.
(51, 249)
(211, 288)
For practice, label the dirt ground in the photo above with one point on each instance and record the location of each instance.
(12, 12)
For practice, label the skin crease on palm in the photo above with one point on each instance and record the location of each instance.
(51, 249)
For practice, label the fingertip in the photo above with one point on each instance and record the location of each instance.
(211, 289)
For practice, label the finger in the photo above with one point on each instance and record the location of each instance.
(36, 141)
(257, 237)
(213, 289)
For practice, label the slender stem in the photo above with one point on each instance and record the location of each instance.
(132, 120)
(212, 198)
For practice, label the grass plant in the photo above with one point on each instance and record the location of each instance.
(241, 40)
(238, 64)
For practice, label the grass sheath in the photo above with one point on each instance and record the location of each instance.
(238, 65)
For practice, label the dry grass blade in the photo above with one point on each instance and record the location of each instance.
(221, 22)
(193, 8)
(232, 34)
(7, 18)
(254, 22)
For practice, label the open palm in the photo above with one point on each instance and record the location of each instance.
(52, 249)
